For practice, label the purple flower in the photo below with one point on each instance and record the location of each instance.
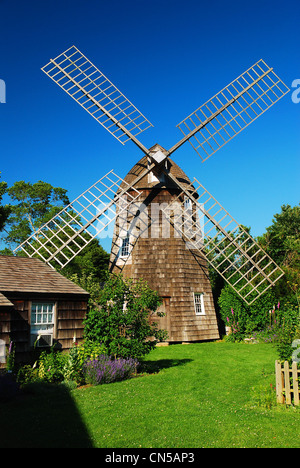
(105, 369)
(232, 311)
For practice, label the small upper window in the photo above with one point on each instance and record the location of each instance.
(199, 303)
(125, 247)
(187, 203)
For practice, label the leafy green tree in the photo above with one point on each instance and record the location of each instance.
(33, 205)
(123, 320)
(4, 209)
(282, 242)
(91, 262)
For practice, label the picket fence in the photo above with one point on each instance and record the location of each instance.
(287, 383)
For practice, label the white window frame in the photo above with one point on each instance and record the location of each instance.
(125, 249)
(199, 303)
(188, 206)
(42, 321)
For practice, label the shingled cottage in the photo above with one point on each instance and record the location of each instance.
(38, 302)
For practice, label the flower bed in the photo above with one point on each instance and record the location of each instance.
(104, 369)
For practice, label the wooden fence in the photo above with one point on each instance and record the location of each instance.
(287, 383)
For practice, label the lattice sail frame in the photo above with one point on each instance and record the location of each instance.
(248, 268)
(90, 88)
(223, 241)
(85, 218)
(231, 110)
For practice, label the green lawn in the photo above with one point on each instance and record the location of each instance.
(201, 397)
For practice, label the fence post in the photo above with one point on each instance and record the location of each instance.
(287, 384)
(295, 383)
(279, 382)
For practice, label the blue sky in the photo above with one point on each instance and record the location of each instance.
(168, 58)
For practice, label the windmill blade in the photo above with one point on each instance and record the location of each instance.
(90, 88)
(231, 110)
(225, 244)
(74, 227)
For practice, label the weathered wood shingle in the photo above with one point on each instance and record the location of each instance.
(4, 302)
(164, 261)
(22, 274)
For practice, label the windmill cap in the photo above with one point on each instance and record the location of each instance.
(157, 178)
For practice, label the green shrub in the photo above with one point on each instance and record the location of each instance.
(247, 318)
(288, 330)
(122, 322)
(78, 355)
(51, 366)
(27, 374)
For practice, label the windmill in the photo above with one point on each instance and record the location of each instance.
(172, 246)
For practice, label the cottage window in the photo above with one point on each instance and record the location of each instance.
(199, 303)
(42, 323)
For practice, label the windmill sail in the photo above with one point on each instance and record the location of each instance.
(226, 245)
(90, 88)
(74, 227)
(231, 110)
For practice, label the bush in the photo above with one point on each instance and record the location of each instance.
(122, 322)
(288, 330)
(51, 366)
(55, 367)
(246, 318)
(27, 374)
(104, 369)
(76, 358)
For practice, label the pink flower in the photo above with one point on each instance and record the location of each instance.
(278, 305)
(232, 310)
(227, 319)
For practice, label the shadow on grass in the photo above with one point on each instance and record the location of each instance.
(152, 367)
(43, 416)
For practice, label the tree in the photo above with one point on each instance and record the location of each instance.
(92, 262)
(4, 209)
(282, 242)
(34, 205)
(122, 322)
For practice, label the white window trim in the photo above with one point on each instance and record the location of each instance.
(197, 303)
(128, 246)
(50, 328)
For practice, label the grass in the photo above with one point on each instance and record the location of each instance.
(197, 395)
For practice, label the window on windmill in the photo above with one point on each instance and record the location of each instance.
(187, 203)
(125, 247)
(199, 303)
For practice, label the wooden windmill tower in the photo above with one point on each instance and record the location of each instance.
(167, 227)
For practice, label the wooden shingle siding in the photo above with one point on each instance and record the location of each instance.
(169, 266)
(27, 280)
(22, 274)
(4, 302)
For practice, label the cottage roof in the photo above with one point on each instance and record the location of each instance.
(4, 302)
(22, 274)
